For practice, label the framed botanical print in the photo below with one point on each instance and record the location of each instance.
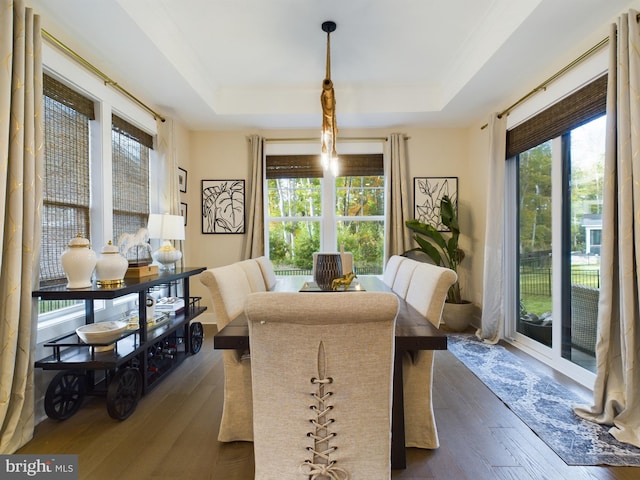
(427, 194)
(223, 206)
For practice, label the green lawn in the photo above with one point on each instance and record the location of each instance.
(537, 304)
(535, 286)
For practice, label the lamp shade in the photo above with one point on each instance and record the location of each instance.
(166, 227)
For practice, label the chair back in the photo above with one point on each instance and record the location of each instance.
(268, 272)
(254, 274)
(322, 368)
(228, 287)
(403, 276)
(391, 269)
(584, 317)
(428, 289)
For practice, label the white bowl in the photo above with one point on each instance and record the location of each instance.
(101, 332)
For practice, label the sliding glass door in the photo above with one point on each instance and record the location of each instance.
(559, 219)
(534, 244)
(582, 243)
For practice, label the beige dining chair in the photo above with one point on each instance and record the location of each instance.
(322, 371)
(391, 269)
(426, 293)
(403, 276)
(268, 272)
(254, 274)
(229, 288)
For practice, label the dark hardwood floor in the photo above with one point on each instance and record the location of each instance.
(172, 434)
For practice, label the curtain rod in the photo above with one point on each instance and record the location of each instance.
(103, 76)
(345, 139)
(544, 84)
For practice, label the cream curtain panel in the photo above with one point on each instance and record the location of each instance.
(398, 200)
(493, 276)
(167, 171)
(168, 167)
(21, 168)
(617, 387)
(254, 239)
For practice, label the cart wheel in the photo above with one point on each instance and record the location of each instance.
(123, 393)
(196, 334)
(64, 395)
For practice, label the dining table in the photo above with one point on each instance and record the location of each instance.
(413, 332)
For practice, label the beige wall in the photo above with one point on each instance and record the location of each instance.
(477, 154)
(432, 152)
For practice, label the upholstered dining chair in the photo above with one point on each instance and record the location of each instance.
(229, 287)
(322, 371)
(391, 268)
(403, 276)
(254, 274)
(427, 293)
(268, 272)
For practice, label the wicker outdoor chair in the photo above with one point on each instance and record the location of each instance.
(584, 318)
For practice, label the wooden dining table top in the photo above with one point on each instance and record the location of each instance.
(413, 330)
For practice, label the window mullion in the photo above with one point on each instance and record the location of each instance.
(101, 201)
(329, 236)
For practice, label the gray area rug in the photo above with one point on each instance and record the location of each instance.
(545, 406)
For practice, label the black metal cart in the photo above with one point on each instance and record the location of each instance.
(139, 359)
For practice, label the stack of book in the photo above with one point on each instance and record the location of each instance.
(170, 305)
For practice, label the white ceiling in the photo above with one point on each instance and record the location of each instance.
(259, 64)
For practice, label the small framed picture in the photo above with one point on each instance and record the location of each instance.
(427, 194)
(182, 179)
(183, 212)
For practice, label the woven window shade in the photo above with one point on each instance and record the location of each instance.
(293, 166)
(68, 97)
(366, 165)
(66, 190)
(134, 133)
(130, 165)
(577, 109)
(309, 166)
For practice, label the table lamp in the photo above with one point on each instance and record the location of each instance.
(166, 227)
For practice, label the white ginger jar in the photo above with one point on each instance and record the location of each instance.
(111, 267)
(78, 262)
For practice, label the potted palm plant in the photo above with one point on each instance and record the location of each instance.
(443, 250)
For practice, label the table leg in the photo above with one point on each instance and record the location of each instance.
(398, 451)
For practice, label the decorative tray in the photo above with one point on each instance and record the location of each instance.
(313, 287)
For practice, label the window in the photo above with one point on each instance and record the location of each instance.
(77, 194)
(130, 167)
(359, 207)
(309, 210)
(66, 193)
